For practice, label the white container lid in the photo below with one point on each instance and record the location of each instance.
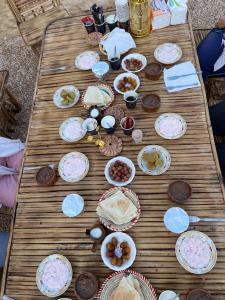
(73, 205)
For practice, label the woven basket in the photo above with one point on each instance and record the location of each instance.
(109, 285)
(129, 194)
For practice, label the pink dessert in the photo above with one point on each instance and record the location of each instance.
(196, 252)
(170, 126)
(55, 275)
(87, 61)
(168, 53)
(74, 167)
(73, 130)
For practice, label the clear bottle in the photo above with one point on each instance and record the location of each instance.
(140, 19)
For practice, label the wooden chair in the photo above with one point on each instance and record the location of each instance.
(9, 107)
(214, 83)
(33, 15)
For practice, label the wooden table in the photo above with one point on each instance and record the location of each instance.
(41, 229)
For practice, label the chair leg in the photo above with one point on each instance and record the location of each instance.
(14, 102)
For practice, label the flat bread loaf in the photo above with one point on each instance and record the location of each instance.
(117, 208)
(126, 290)
(94, 96)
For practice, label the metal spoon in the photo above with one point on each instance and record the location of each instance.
(194, 219)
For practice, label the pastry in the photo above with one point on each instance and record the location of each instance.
(94, 96)
(113, 145)
(117, 208)
(127, 289)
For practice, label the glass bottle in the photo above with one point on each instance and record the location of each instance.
(140, 19)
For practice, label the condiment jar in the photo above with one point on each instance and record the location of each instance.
(97, 233)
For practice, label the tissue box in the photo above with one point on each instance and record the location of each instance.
(160, 14)
(178, 9)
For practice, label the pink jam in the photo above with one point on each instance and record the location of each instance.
(170, 126)
(195, 252)
(55, 275)
(74, 167)
(87, 61)
(73, 130)
(169, 53)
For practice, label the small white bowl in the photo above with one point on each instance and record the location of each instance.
(125, 160)
(57, 99)
(121, 76)
(138, 56)
(121, 237)
(167, 295)
(73, 205)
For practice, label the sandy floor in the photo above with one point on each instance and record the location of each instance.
(22, 62)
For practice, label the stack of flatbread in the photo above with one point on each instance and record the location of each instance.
(96, 96)
(117, 208)
(128, 289)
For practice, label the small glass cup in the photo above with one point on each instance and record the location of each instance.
(100, 69)
(115, 62)
(127, 128)
(131, 99)
(111, 20)
(90, 124)
(88, 23)
(137, 136)
(101, 28)
(109, 124)
(95, 113)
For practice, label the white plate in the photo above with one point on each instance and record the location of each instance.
(93, 55)
(73, 205)
(65, 124)
(168, 53)
(121, 76)
(164, 155)
(138, 56)
(42, 287)
(125, 160)
(61, 166)
(121, 237)
(57, 99)
(168, 116)
(204, 238)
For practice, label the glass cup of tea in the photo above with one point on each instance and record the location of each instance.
(100, 69)
(131, 99)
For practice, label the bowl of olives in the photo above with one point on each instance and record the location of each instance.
(126, 82)
(119, 171)
(118, 251)
(66, 96)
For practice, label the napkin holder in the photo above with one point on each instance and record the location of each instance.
(160, 17)
(178, 9)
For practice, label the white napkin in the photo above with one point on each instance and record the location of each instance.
(221, 60)
(5, 297)
(121, 39)
(181, 83)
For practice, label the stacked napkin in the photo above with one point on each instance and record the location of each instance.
(120, 39)
(183, 82)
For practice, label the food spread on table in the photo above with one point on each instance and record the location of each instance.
(118, 208)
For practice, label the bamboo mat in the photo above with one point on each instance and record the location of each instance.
(40, 228)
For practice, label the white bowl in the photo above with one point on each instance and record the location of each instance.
(57, 99)
(121, 237)
(63, 126)
(68, 156)
(168, 295)
(125, 160)
(121, 76)
(138, 56)
(73, 205)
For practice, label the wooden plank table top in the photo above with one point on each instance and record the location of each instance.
(41, 229)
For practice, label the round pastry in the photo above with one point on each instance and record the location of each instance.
(113, 145)
(46, 176)
(115, 111)
(199, 294)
